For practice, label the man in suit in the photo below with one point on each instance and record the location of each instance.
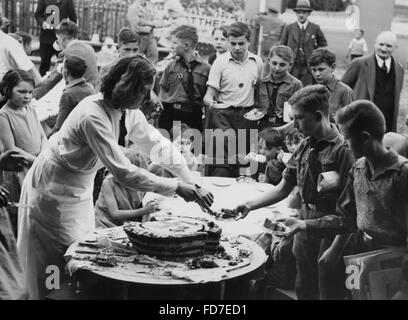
(47, 32)
(303, 37)
(379, 78)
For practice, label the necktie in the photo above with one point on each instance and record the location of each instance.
(384, 67)
(272, 99)
(122, 130)
(309, 191)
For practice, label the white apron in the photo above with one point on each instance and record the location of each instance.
(62, 212)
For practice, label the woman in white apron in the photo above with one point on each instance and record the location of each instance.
(59, 185)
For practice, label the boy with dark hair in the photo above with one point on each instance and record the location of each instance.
(374, 199)
(322, 62)
(128, 43)
(76, 89)
(183, 83)
(27, 39)
(67, 38)
(230, 95)
(322, 150)
(271, 143)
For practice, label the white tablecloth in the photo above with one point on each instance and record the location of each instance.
(48, 106)
(228, 196)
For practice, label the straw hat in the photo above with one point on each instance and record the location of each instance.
(303, 5)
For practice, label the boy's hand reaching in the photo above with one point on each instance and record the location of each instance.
(242, 210)
(294, 226)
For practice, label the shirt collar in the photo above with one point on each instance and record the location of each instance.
(197, 58)
(304, 24)
(331, 84)
(392, 162)
(286, 79)
(380, 62)
(250, 57)
(331, 137)
(75, 82)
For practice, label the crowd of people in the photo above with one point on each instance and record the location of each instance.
(124, 129)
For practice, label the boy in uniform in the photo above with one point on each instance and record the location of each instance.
(374, 200)
(319, 275)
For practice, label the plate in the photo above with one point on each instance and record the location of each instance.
(221, 182)
(254, 115)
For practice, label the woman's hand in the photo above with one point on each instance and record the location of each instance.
(294, 226)
(194, 193)
(14, 160)
(242, 210)
(4, 196)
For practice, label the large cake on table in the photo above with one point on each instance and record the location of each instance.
(173, 237)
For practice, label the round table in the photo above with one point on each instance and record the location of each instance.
(228, 193)
(131, 274)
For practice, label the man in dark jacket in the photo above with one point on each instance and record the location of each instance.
(47, 34)
(302, 37)
(379, 78)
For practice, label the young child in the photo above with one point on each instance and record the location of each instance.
(357, 46)
(220, 42)
(277, 87)
(322, 62)
(292, 142)
(374, 199)
(183, 141)
(322, 150)
(116, 204)
(271, 144)
(76, 89)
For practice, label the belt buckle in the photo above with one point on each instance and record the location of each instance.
(177, 106)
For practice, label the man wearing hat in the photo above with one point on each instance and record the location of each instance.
(303, 37)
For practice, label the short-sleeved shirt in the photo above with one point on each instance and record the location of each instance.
(176, 73)
(289, 85)
(12, 55)
(235, 81)
(26, 129)
(358, 47)
(375, 202)
(340, 95)
(336, 156)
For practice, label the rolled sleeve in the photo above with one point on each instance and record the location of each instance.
(146, 139)
(102, 141)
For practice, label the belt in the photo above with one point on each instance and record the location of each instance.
(239, 108)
